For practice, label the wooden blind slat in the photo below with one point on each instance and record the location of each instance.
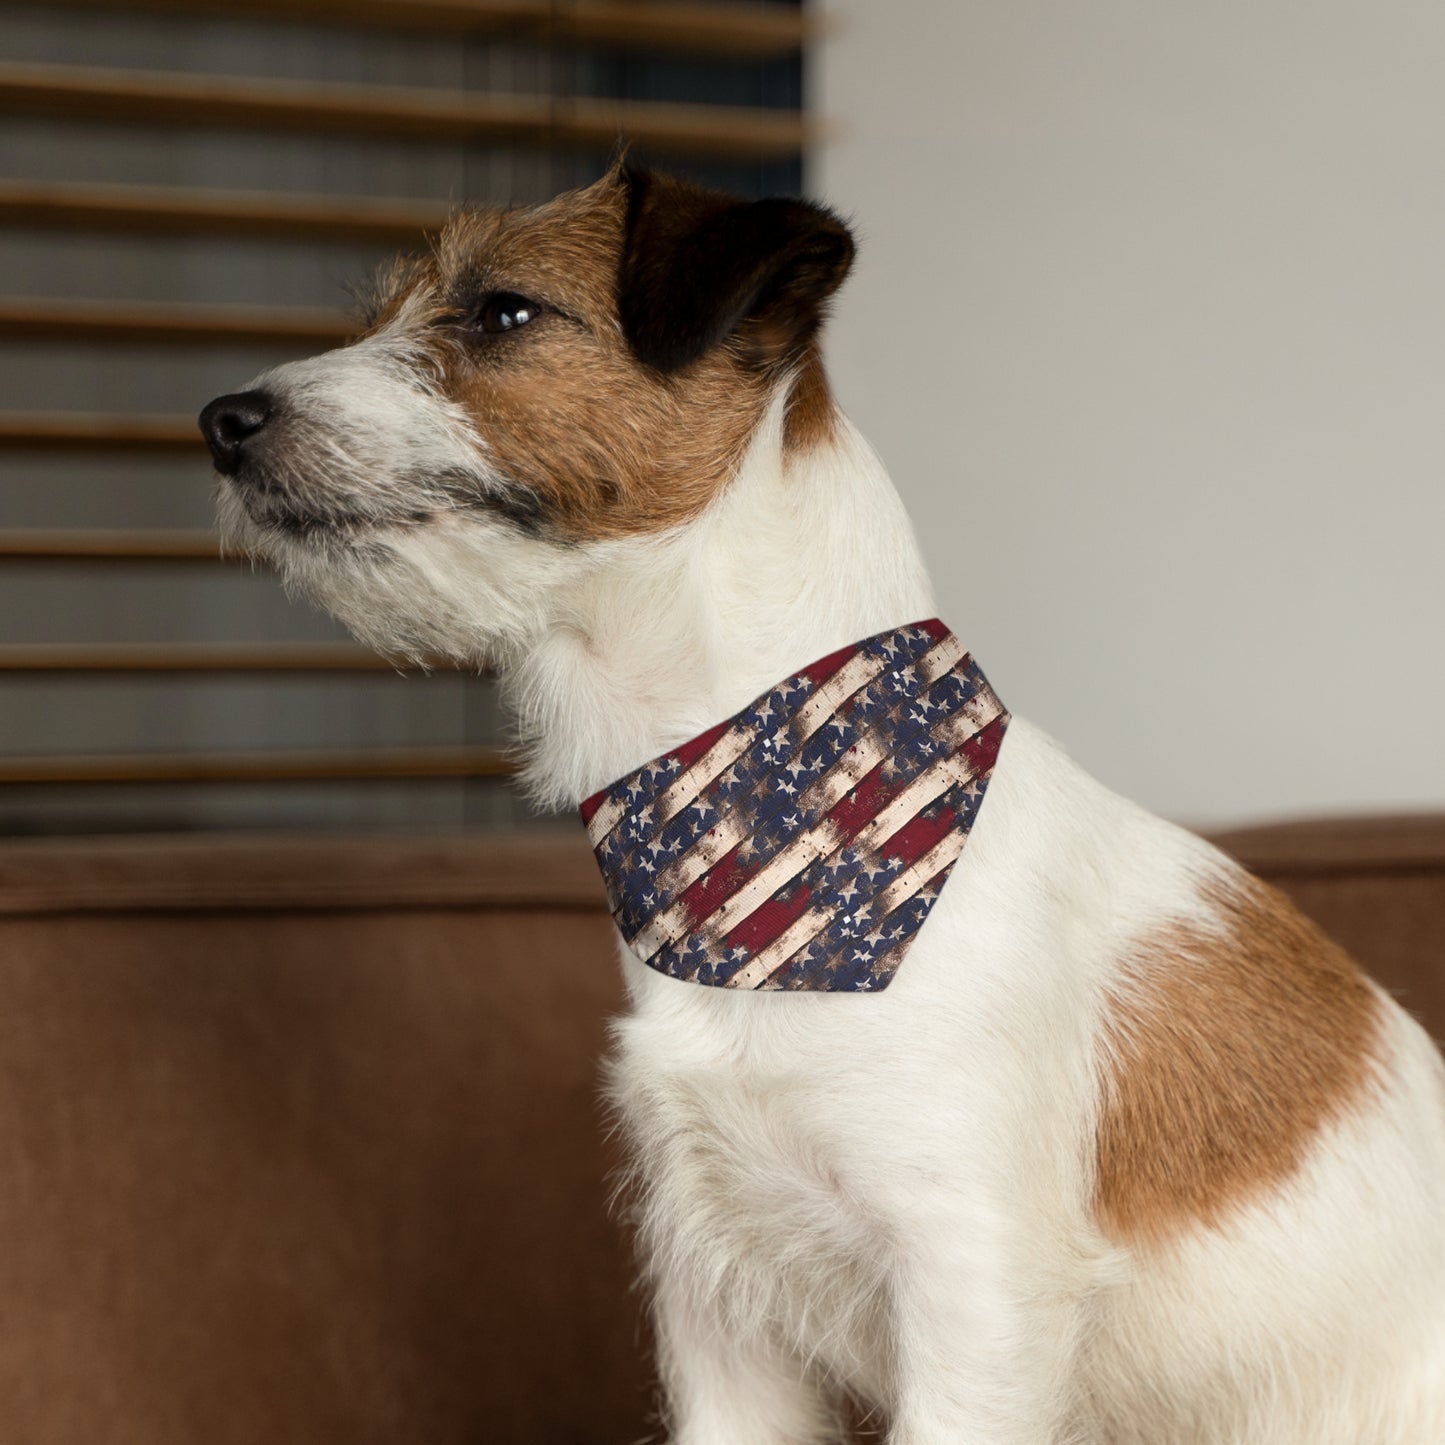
(67, 431)
(757, 32)
(331, 765)
(223, 102)
(170, 210)
(77, 544)
(171, 323)
(704, 29)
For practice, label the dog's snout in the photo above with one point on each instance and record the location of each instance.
(229, 422)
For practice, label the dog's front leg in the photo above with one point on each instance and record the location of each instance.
(985, 1339)
(721, 1387)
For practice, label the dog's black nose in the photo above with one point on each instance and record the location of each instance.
(229, 422)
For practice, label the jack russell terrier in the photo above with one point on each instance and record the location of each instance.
(955, 1084)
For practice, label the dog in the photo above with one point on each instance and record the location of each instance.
(1124, 1152)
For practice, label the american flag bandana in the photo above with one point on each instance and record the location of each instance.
(801, 843)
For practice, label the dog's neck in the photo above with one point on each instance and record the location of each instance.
(657, 639)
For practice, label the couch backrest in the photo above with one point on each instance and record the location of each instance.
(300, 1141)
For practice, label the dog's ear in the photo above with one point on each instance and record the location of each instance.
(698, 267)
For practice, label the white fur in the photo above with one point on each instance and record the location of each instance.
(890, 1194)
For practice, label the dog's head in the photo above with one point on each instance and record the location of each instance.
(547, 379)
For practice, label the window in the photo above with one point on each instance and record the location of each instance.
(188, 190)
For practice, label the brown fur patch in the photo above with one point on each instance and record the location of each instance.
(604, 445)
(812, 417)
(1226, 1055)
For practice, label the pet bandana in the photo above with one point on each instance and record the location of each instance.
(801, 844)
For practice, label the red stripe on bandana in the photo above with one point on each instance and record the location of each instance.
(918, 835)
(769, 921)
(714, 888)
(853, 810)
(981, 749)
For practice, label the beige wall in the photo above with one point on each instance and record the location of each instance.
(1149, 324)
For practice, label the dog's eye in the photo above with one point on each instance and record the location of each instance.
(505, 311)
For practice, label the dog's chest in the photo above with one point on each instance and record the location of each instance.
(746, 1159)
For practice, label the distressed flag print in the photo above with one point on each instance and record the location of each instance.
(802, 843)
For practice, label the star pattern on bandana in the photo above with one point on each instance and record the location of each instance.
(802, 843)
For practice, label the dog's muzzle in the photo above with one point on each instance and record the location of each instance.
(231, 424)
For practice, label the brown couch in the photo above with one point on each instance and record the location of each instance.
(299, 1139)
